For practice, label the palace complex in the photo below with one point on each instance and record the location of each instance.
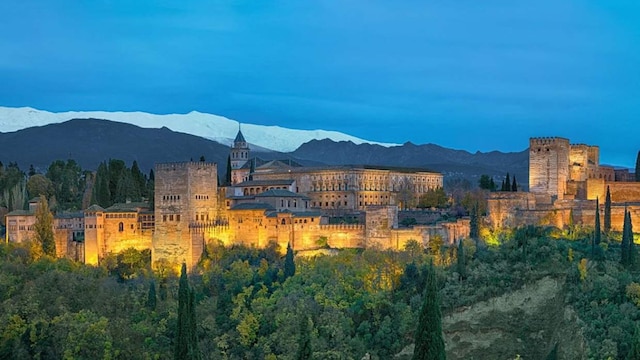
(564, 182)
(267, 201)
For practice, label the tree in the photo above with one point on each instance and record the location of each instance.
(627, 247)
(202, 159)
(304, 339)
(507, 183)
(436, 198)
(38, 185)
(486, 182)
(596, 232)
(474, 223)
(429, 341)
(186, 340)
(227, 178)
(607, 212)
(44, 228)
(638, 167)
(289, 264)
(461, 267)
(151, 296)
(514, 185)
(634, 351)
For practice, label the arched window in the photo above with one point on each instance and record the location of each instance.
(283, 222)
(120, 226)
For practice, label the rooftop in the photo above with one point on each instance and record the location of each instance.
(280, 193)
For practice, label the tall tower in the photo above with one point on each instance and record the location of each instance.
(239, 157)
(185, 198)
(549, 166)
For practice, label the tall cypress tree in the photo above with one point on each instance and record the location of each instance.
(595, 244)
(607, 213)
(186, 340)
(474, 230)
(429, 341)
(227, 178)
(624, 245)
(514, 185)
(507, 183)
(638, 167)
(289, 264)
(632, 246)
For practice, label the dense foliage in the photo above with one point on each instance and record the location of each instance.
(345, 306)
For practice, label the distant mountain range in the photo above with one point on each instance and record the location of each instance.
(90, 141)
(212, 127)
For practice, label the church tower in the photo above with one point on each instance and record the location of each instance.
(239, 157)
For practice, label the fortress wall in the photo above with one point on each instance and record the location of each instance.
(502, 207)
(623, 191)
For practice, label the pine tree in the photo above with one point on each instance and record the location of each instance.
(304, 339)
(186, 339)
(44, 227)
(461, 261)
(428, 339)
(607, 213)
(289, 264)
(514, 185)
(507, 183)
(638, 167)
(151, 296)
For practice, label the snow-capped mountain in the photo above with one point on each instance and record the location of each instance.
(213, 127)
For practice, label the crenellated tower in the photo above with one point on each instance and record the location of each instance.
(549, 166)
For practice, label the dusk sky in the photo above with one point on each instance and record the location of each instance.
(473, 75)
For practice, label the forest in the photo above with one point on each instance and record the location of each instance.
(250, 303)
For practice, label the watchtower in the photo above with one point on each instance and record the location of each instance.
(549, 166)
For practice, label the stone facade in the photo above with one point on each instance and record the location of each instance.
(564, 181)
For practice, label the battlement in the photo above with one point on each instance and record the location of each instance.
(545, 141)
(185, 165)
(330, 227)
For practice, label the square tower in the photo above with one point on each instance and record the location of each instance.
(185, 196)
(549, 166)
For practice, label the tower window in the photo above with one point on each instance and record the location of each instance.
(121, 227)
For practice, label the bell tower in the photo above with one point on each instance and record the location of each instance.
(239, 157)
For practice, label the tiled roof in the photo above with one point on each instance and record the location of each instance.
(265, 182)
(127, 207)
(20, 213)
(95, 207)
(239, 137)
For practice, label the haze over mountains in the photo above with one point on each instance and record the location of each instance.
(90, 141)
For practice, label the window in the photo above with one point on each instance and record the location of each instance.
(120, 226)
(177, 217)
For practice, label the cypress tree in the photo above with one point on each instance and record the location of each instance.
(624, 245)
(597, 233)
(228, 174)
(607, 212)
(289, 264)
(514, 185)
(492, 185)
(632, 245)
(186, 340)
(461, 261)
(638, 167)
(429, 341)
(507, 183)
(474, 230)
(502, 187)
(304, 339)
(151, 296)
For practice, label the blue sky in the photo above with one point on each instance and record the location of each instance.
(473, 75)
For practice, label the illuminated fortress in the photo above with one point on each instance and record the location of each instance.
(267, 201)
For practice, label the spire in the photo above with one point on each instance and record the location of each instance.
(239, 137)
